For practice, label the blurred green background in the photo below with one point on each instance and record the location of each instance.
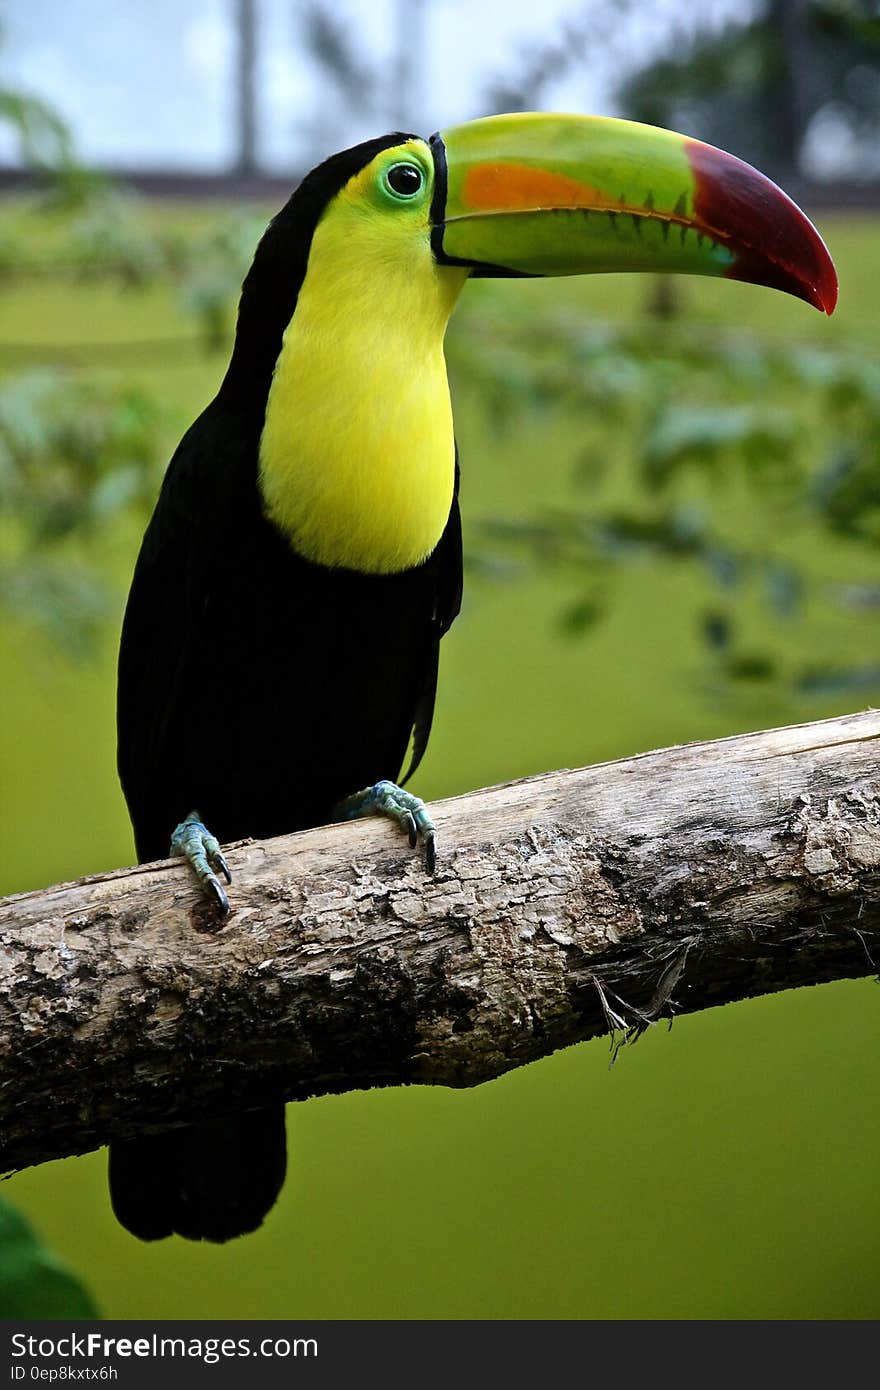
(672, 512)
(725, 1169)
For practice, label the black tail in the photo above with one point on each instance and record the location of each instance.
(211, 1181)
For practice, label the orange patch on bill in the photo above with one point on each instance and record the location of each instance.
(500, 186)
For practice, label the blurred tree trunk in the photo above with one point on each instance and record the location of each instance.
(789, 23)
(246, 163)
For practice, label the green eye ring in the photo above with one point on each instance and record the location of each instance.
(404, 181)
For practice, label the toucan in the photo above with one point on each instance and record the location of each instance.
(280, 644)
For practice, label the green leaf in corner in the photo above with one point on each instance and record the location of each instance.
(34, 1283)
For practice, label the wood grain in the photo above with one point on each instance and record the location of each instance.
(562, 905)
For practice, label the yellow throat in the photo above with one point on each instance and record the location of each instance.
(357, 454)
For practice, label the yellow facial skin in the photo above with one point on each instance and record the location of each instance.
(357, 455)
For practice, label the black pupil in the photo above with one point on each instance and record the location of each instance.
(405, 179)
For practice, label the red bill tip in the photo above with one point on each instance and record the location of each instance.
(775, 244)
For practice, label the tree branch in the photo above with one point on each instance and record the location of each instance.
(564, 906)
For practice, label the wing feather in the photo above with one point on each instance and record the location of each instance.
(449, 572)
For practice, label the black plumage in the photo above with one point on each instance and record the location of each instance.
(259, 689)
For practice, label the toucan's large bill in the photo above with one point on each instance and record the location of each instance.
(547, 194)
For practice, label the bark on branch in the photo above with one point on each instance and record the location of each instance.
(563, 906)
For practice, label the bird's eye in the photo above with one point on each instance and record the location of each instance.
(404, 180)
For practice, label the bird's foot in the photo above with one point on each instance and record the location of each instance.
(193, 841)
(387, 799)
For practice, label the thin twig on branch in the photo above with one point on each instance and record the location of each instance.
(564, 906)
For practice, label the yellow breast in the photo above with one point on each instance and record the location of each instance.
(357, 454)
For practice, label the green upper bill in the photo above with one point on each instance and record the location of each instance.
(546, 194)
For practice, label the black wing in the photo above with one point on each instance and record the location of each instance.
(448, 560)
(202, 493)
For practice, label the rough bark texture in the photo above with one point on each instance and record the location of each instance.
(562, 905)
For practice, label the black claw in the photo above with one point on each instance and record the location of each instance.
(220, 863)
(411, 830)
(214, 886)
(430, 853)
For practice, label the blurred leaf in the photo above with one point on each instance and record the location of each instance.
(45, 146)
(108, 239)
(579, 617)
(329, 39)
(74, 456)
(590, 467)
(488, 564)
(750, 666)
(64, 443)
(717, 630)
(210, 273)
(34, 1283)
(830, 680)
(784, 588)
(43, 137)
(725, 567)
(66, 602)
(846, 489)
(674, 531)
(689, 433)
(857, 596)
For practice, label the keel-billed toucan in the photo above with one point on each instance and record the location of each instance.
(280, 644)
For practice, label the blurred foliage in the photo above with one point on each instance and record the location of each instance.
(34, 1283)
(523, 87)
(730, 443)
(43, 138)
(106, 236)
(73, 455)
(78, 452)
(605, 33)
(351, 86)
(755, 85)
(46, 147)
(707, 427)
